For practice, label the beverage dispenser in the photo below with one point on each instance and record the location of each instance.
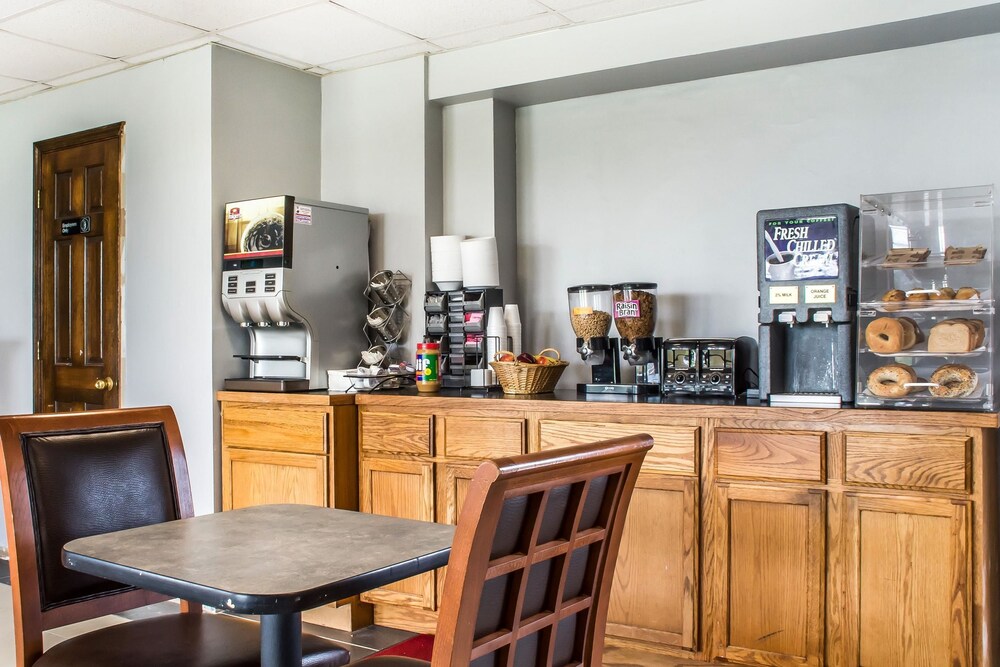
(293, 276)
(806, 274)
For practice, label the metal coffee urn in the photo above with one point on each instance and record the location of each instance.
(807, 266)
(293, 276)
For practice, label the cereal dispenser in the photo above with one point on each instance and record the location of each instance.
(590, 308)
(635, 319)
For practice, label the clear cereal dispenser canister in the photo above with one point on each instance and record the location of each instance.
(635, 310)
(590, 308)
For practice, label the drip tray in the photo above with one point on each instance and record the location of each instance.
(266, 384)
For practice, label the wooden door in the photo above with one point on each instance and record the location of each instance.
(453, 482)
(772, 559)
(908, 582)
(255, 477)
(77, 295)
(405, 489)
(654, 594)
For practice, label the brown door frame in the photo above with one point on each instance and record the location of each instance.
(106, 132)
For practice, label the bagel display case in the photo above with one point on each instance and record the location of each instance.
(926, 290)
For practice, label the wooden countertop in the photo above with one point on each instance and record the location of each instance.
(574, 403)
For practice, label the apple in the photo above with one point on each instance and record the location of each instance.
(545, 361)
(505, 356)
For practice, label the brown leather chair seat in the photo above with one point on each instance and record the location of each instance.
(181, 640)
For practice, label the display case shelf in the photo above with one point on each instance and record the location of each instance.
(932, 239)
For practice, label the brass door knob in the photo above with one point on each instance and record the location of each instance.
(104, 384)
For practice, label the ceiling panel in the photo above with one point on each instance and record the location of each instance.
(35, 61)
(261, 53)
(23, 92)
(613, 8)
(98, 27)
(215, 14)
(91, 73)
(11, 7)
(8, 84)
(493, 33)
(388, 55)
(157, 54)
(433, 18)
(319, 34)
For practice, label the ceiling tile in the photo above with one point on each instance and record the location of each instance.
(28, 59)
(433, 18)
(92, 73)
(614, 8)
(23, 92)
(157, 54)
(98, 27)
(560, 5)
(318, 34)
(215, 14)
(8, 84)
(261, 53)
(492, 34)
(386, 56)
(11, 7)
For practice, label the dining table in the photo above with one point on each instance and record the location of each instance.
(275, 561)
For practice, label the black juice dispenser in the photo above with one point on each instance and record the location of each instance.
(807, 277)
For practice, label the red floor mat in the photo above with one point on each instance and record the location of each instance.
(419, 647)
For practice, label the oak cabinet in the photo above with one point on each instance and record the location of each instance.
(404, 489)
(773, 562)
(908, 580)
(654, 598)
(254, 477)
(655, 587)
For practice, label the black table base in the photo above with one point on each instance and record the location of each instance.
(281, 640)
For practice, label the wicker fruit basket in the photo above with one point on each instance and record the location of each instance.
(516, 377)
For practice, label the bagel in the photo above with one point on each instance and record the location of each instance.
(886, 335)
(893, 296)
(917, 296)
(967, 293)
(954, 381)
(890, 381)
(943, 294)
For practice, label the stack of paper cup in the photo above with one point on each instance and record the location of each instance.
(496, 333)
(512, 320)
(446, 261)
(479, 262)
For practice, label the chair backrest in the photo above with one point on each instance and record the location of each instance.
(533, 558)
(74, 475)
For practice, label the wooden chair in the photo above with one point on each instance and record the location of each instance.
(73, 475)
(530, 571)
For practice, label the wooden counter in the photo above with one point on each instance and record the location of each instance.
(756, 535)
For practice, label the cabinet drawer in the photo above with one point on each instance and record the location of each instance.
(289, 429)
(675, 448)
(397, 433)
(908, 460)
(777, 455)
(480, 438)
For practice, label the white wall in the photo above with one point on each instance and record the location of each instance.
(265, 141)
(382, 150)
(663, 184)
(167, 251)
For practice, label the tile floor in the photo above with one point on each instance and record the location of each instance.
(361, 643)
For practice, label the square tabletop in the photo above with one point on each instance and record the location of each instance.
(268, 559)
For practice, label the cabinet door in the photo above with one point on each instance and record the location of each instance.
(452, 488)
(772, 559)
(254, 477)
(907, 580)
(654, 593)
(402, 489)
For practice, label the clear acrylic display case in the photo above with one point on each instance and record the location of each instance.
(915, 248)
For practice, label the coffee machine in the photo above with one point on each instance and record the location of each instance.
(806, 274)
(294, 274)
